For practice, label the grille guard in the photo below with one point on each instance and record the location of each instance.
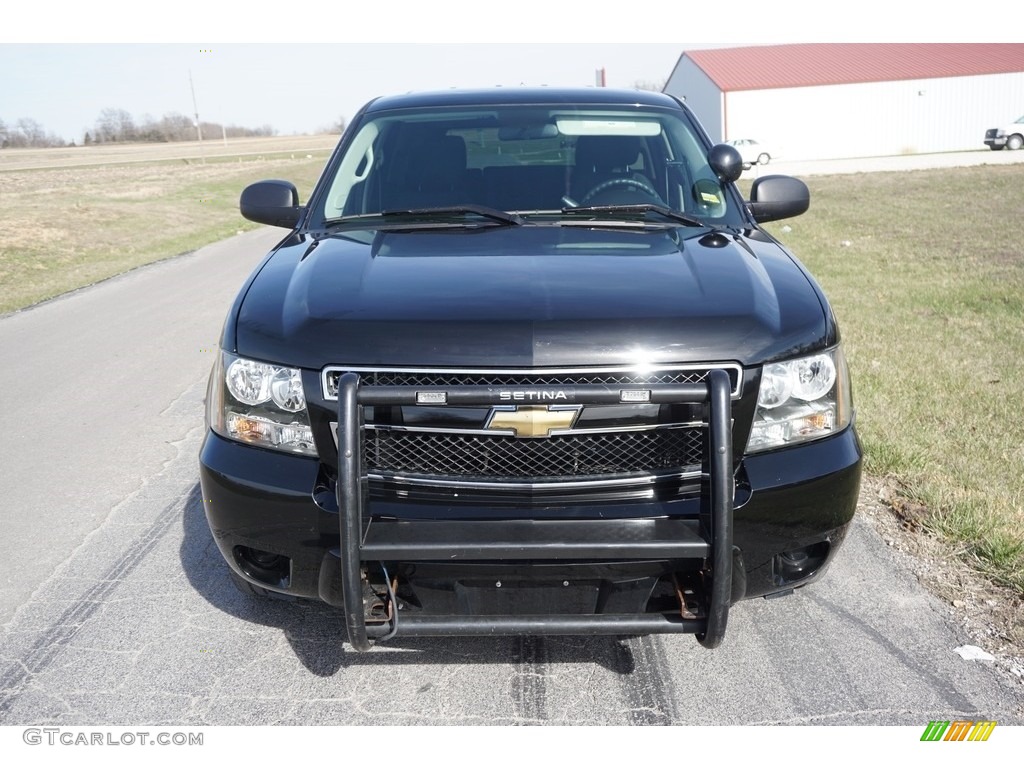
(712, 542)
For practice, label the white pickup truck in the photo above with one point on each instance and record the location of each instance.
(1010, 136)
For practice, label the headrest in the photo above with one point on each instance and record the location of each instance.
(606, 152)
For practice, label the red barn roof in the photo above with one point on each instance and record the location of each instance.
(794, 66)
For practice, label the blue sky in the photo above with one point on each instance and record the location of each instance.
(301, 66)
(296, 88)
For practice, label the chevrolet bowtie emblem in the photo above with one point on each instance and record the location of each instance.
(532, 420)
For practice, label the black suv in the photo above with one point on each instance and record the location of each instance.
(526, 364)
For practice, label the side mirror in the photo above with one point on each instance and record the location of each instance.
(727, 163)
(778, 197)
(272, 202)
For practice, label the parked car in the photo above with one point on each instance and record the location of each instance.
(1010, 136)
(752, 152)
(526, 363)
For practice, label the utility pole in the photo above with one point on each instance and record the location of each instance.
(199, 129)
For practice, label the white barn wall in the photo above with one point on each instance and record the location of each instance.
(875, 119)
(689, 82)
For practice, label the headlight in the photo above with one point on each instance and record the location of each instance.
(260, 404)
(800, 400)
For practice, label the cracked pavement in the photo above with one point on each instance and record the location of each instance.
(116, 607)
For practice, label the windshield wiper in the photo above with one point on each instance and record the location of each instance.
(494, 214)
(428, 218)
(638, 208)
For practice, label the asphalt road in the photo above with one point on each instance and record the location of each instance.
(116, 607)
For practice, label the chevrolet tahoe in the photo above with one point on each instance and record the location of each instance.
(526, 363)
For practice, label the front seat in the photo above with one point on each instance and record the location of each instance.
(432, 174)
(609, 160)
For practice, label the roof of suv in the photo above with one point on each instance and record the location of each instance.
(542, 95)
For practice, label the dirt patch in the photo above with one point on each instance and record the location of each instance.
(990, 615)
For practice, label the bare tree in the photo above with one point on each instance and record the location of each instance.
(148, 129)
(106, 125)
(338, 126)
(175, 126)
(115, 124)
(27, 132)
(33, 132)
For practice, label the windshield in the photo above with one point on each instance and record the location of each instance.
(528, 159)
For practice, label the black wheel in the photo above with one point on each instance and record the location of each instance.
(642, 186)
(763, 158)
(1015, 142)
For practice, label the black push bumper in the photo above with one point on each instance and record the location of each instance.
(369, 541)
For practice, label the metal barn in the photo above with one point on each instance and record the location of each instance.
(832, 100)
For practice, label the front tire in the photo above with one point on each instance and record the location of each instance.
(763, 158)
(1015, 142)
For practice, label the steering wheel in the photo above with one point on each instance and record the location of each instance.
(640, 185)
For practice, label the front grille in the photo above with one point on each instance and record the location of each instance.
(406, 447)
(500, 457)
(531, 378)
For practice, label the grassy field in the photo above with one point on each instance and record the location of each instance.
(925, 270)
(192, 151)
(65, 227)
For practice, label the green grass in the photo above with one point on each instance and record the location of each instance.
(929, 292)
(63, 228)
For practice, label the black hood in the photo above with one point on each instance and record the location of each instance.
(529, 296)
